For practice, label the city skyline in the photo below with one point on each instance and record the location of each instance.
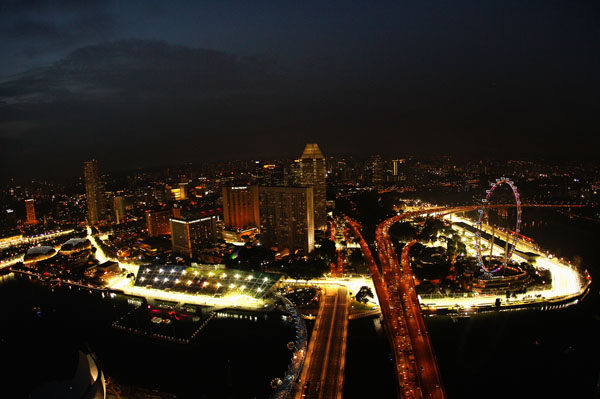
(299, 200)
(455, 83)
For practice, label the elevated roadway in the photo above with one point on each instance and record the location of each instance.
(323, 372)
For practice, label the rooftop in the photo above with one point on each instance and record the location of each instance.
(312, 151)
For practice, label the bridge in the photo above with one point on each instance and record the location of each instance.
(323, 372)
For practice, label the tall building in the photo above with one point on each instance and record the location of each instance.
(291, 173)
(240, 207)
(287, 217)
(312, 173)
(190, 235)
(377, 172)
(119, 208)
(157, 222)
(11, 218)
(94, 191)
(396, 166)
(30, 210)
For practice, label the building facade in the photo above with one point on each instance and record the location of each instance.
(190, 235)
(287, 217)
(240, 207)
(313, 173)
(94, 191)
(119, 208)
(30, 211)
(157, 222)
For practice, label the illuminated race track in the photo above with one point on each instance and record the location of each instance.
(417, 373)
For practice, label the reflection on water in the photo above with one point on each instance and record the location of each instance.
(232, 357)
(529, 353)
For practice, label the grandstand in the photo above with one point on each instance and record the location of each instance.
(207, 280)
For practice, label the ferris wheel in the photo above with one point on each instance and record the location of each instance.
(508, 252)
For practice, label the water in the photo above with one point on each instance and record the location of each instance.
(369, 364)
(529, 353)
(230, 358)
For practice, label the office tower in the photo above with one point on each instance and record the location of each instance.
(11, 218)
(184, 191)
(157, 222)
(190, 235)
(291, 174)
(377, 172)
(396, 166)
(30, 210)
(119, 208)
(176, 212)
(287, 217)
(94, 191)
(312, 173)
(240, 207)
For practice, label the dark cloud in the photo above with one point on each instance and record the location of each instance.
(35, 28)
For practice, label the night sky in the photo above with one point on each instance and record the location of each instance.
(157, 82)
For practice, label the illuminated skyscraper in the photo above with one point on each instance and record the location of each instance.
(377, 172)
(30, 210)
(287, 217)
(119, 208)
(396, 166)
(94, 192)
(240, 207)
(188, 236)
(157, 222)
(312, 173)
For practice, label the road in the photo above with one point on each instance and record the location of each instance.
(323, 372)
(395, 324)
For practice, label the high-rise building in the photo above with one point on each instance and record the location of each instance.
(377, 172)
(94, 191)
(190, 235)
(287, 217)
(312, 173)
(396, 166)
(291, 173)
(119, 208)
(11, 218)
(157, 222)
(30, 210)
(176, 212)
(240, 207)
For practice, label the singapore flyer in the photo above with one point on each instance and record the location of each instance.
(490, 268)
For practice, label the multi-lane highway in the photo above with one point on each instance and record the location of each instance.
(323, 372)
